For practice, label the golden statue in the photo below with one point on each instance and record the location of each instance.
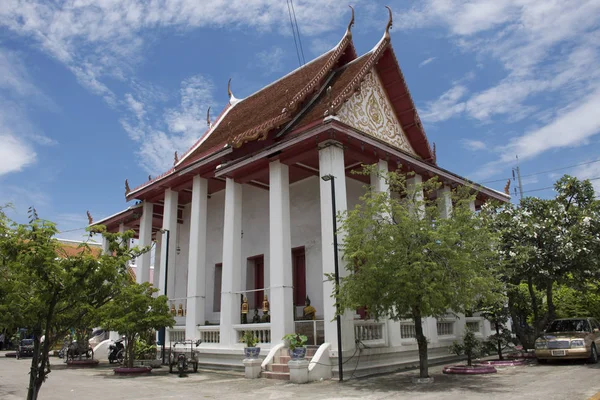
(180, 310)
(173, 310)
(309, 312)
(245, 305)
(266, 304)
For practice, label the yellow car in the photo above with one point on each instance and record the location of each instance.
(569, 338)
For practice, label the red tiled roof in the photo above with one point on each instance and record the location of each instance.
(253, 117)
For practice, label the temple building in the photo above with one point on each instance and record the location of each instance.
(244, 216)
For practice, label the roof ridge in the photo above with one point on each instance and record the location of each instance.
(207, 132)
(260, 131)
(352, 86)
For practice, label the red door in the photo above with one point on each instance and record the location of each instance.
(299, 276)
(259, 280)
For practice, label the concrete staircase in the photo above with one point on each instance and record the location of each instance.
(279, 369)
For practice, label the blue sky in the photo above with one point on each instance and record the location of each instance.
(93, 92)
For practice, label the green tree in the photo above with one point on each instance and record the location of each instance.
(407, 262)
(547, 241)
(134, 312)
(48, 291)
(470, 347)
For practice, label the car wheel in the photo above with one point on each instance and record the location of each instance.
(542, 361)
(593, 355)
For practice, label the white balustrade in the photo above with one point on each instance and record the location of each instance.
(209, 333)
(175, 335)
(445, 328)
(261, 331)
(407, 330)
(371, 333)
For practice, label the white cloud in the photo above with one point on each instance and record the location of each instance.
(14, 154)
(446, 106)
(270, 61)
(103, 41)
(17, 134)
(427, 61)
(546, 48)
(473, 145)
(572, 127)
(176, 129)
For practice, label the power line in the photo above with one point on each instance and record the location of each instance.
(293, 32)
(552, 187)
(298, 32)
(544, 172)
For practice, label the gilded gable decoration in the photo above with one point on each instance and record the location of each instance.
(369, 110)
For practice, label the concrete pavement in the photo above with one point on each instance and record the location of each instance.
(564, 381)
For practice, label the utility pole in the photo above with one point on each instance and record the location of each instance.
(517, 170)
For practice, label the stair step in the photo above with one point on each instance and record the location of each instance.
(282, 376)
(279, 368)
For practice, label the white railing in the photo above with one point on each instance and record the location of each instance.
(445, 328)
(175, 335)
(407, 330)
(314, 330)
(261, 331)
(210, 333)
(371, 333)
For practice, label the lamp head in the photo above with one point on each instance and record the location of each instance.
(328, 177)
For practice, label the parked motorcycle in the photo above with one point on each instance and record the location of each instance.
(116, 351)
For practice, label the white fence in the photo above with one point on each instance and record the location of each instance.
(210, 333)
(371, 333)
(261, 331)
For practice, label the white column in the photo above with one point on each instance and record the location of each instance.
(231, 280)
(167, 271)
(445, 203)
(280, 249)
(472, 206)
(157, 261)
(378, 182)
(196, 297)
(105, 245)
(143, 267)
(414, 191)
(331, 162)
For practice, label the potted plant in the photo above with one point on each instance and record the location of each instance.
(296, 344)
(250, 351)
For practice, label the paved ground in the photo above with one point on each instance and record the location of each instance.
(564, 381)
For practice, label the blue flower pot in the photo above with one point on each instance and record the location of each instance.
(299, 353)
(251, 352)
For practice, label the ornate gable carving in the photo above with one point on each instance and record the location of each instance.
(370, 111)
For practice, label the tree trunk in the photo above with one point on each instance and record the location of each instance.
(534, 306)
(32, 390)
(130, 351)
(516, 322)
(550, 300)
(498, 341)
(422, 342)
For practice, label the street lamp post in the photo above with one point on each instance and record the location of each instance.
(331, 179)
(163, 330)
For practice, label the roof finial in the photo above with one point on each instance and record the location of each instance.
(389, 24)
(208, 118)
(232, 98)
(90, 219)
(176, 158)
(127, 189)
(351, 23)
(507, 188)
(434, 153)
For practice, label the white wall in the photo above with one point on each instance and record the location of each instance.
(306, 228)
